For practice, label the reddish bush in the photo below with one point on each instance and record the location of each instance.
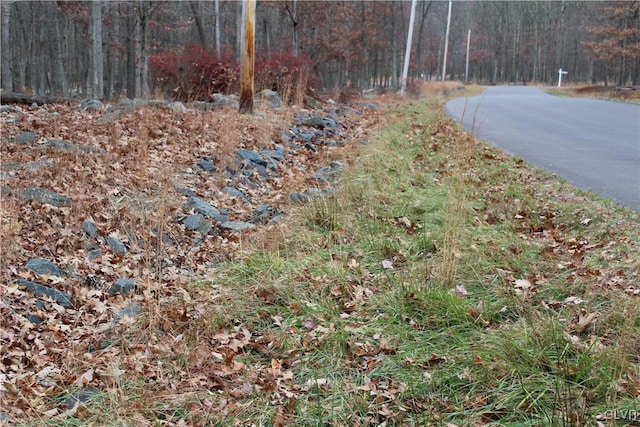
(194, 73)
(284, 73)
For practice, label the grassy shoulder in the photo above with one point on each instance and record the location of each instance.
(623, 94)
(444, 284)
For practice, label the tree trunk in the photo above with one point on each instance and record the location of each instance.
(7, 80)
(394, 51)
(293, 15)
(423, 16)
(22, 98)
(217, 13)
(96, 50)
(197, 17)
(145, 16)
(364, 72)
(239, 17)
(267, 37)
(59, 81)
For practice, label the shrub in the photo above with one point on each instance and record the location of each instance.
(194, 73)
(286, 74)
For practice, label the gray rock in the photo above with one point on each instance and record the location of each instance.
(93, 251)
(251, 156)
(220, 100)
(205, 227)
(206, 165)
(81, 397)
(129, 311)
(273, 154)
(62, 298)
(126, 103)
(44, 267)
(306, 137)
(177, 107)
(314, 121)
(89, 228)
(43, 195)
(121, 286)
(264, 214)
(262, 171)
(185, 191)
(36, 320)
(7, 109)
(311, 194)
(328, 173)
(193, 221)
(234, 192)
(61, 144)
(312, 102)
(40, 163)
(205, 209)
(203, 106)
(90, 105)
(25, 138)
(236, 225)
(116, 245)
(270, 97)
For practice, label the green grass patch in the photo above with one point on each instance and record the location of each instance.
(445, 282)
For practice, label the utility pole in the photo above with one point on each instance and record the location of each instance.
(247, 61)
(446, 44)
(407, 53)
(217, 12)
(466, 68)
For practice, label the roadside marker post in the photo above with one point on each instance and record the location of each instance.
(560, 73)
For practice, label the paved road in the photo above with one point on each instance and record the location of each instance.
(594, 144)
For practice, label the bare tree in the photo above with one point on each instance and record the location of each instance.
(97, 73)
(7, 80)
(217, 25)
(292, 10)
(195, 7)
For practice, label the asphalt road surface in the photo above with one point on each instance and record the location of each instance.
(593, 144)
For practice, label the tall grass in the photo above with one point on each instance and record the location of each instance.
(394, 302)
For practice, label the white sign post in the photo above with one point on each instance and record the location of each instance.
(560, 73)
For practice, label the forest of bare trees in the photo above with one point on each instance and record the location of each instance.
(102, 48)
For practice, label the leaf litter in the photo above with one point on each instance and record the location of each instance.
(91, 350)
(122, 174)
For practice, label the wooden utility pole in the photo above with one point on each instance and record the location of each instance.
(247, 61)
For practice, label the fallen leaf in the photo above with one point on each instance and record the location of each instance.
(585, 321)
(242, 392)
(460, 291)
(309, 324)
(84, 379)
(523, 284)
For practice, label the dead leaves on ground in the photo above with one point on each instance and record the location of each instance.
(123, 178)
